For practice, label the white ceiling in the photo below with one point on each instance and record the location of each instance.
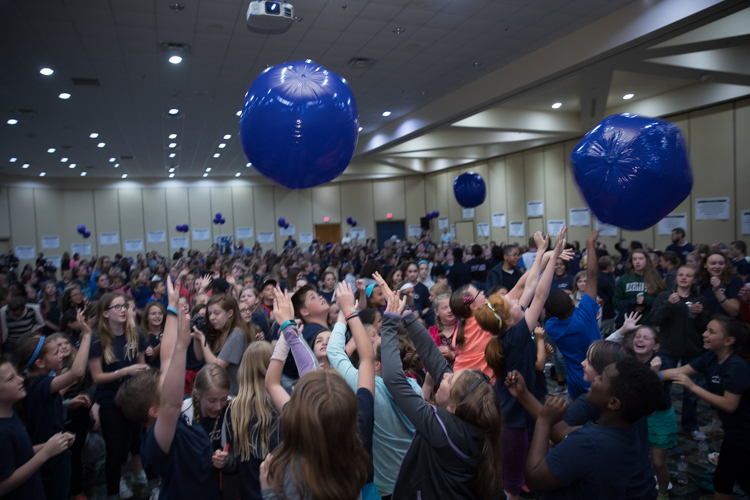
(446, 110)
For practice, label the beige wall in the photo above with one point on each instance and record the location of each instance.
(717, 138)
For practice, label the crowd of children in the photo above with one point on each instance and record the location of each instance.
(347, 371)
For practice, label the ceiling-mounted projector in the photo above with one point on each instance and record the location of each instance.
(269, 18)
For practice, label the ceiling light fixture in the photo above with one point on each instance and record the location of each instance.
(13, 160)
(64, 96)
(46, 71)
(173, 111)
(237, 174)
(227, 137)
(175, 59)
(171, 169)
(556, 105)
(124, 176)
(171, 175)
(628, 96)
(222, 145)
(248, 165)
(238, 113)
(205, 175)
(83, 174)
(398, 31)
(216, 155)
(208, 169)
(51, 150)
(12, 121)
(359, 129)
(72, 165)
(172, 145)
(25, 165)
(63, 160)
(386, 113)
(176, 6)
(117, 165)
(173, 136)
(94, 135)
(112, 160)
(100, 145)
(172, 155)
(42, 174)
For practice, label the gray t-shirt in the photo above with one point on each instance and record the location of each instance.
(232, 352)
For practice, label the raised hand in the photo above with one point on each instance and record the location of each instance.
(656, 364)
(56, 445)
(554, 410)
(82, 325)
(515, 383)
(383, 285)
(631, 321)
(345, 298)
(395, 305)
(282, 307)
(542, 241)
(173, 293)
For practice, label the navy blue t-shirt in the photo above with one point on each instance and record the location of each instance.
(733, 375)
(16, 450)
(520, 354)
(730, 291)
(45, 419)
(421, 298)
(565, 283)
(642, 485)
(261, 321)
(142, 295)
(186, 470)
(105, 393)
(583, 462)
(741, 266)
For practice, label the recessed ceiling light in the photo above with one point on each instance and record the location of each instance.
(477, 64)
(172, 145)
(248, 164)
(176, 6)
(173, 136)
(208, 169)
(112, 160)
(51, 150)
(124, 176)
(46, 71)
(171, 169)
(398, 31)
(174, 111)
(63, 160)
(64, 96)
(359, 129)
(117, 165)
(72, 165)
(100, 145)
(628, 96)
(171, 175)
(237, 174)
(83, 174)
(556, 105)
(227, 137)
(386, 113)
(172, 155)
(25, 165)
(175, 59)
(222, 145)
(216, 155)
(12, 121)
(42, 174)
(13, 160)
(238, 113)
(94, 135)
(205, 175)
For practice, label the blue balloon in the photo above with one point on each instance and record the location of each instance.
(349, 220)
(437, 213)
(469, 189)
(217, 216)
(281, 222)
(86, 234)
(632, 170)
(299, 124)
(354, 223)
(81, 229)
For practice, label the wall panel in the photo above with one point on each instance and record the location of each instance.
(4, 214)
(221, 201)
(515, 193)
(388, 198)
(264, 216)
(49, 219)
(326, 202)
(742, 163)
(107, 215)
(296, 208)
(498, 198)
(199, 215)
(131, 217)
(414, 196)
(23, 224)
(155, 218)
(357, 201)
(243, 211)
(79, 209)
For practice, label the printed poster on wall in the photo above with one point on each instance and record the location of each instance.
(498, 220)
(745, 222)
(483, 229)
(135, 245)
(288, 231)
(415, 230)
(179, 242)
(26, 252)
(265, 237)
(157, 236)
(359, 234)
(244, 232)
(443, 223)
(555, 226)
(672, 221)
(467, 213)
(535, 208)
(109, 238)
(712, 208)
(55, 260)
(517, 230)
(50, 242)
(305, 238)
(80, 248)
(201, 234)
(605, 229)
(579, 217)
(453, 231)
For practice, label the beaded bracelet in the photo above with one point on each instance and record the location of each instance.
(352, 315)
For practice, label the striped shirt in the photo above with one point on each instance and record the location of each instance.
(13, 328)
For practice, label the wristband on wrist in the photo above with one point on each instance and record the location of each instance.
(352, 315)
(172, 310)
(66, 403)
(117, 373)
(289, 322)
(722, 301)
(660, 377)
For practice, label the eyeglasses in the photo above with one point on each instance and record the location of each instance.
(118, 307)
(156, 313)
(244, 310)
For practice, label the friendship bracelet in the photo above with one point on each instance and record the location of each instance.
(172, 310)
(289, 322)
(352, 315)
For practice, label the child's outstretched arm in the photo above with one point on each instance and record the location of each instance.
(345, 300)
(169, 337)
(78, 369)
(537, 474)
(53, 447)
(541, 349)
(433, 360)
(545, 282)
(273, 375)
(284, 312)
(526, 291)
(170, 402)
(729, 402)
(592, 266)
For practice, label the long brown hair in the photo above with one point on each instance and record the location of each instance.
(733, 328)
(217, 338)
(654, 283)
(481, 408)
(705, 276)
(322, 450)
(487, 319)
(439, 324)
(145, 327)
(211, 376)
(460, 303)
(107, 338)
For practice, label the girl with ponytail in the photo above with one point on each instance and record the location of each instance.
(208, 402)
(471, 339)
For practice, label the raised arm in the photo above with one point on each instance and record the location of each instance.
(345, 300)
(592, 265)
(429, 353)
(545, 282)
(78, 369)
(273, 375)
(284, 311)
(532, 275)
(171, 324)
(337, 356)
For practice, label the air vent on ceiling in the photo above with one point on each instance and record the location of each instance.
(126, 157)
(86, 82)
(361, 62)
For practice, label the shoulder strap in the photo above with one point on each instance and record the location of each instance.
(472, 462)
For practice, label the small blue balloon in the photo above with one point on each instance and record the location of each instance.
(281, 222)
(218, 215)
(429, 215)
(632, 170)
(81, 229)
(185, 228)
(86, 234)
(299, 124)
(349, 220)
(354, 223)
(469, 189)
(437, 213)
(222, 221)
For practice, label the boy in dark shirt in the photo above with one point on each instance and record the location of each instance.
(606, 291)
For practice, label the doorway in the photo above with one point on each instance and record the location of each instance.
(328, 233)
(386, 230)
